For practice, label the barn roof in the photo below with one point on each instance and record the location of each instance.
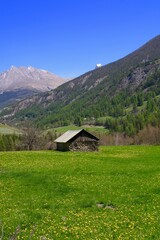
(69, 135)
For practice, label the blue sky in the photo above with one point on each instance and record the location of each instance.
(69, 37)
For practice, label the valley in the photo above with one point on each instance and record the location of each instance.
(123, 96)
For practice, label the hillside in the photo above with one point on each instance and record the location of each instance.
(20, 82)
(126, 90)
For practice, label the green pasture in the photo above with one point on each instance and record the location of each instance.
(91, 128)
(110, 194)
(5, 129)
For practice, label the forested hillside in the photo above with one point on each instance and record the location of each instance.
(124, 96)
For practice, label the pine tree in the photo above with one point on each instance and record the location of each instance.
(2, 144)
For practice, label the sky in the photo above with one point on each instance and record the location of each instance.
(69, 37)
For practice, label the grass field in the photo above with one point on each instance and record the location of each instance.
(5, 129)
(98, 129)
(110, 194)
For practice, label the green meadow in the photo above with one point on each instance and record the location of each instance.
(92, 128)
(5, 129)
(110, 194)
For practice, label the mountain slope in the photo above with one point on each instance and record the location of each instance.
(17, 83)
(106, 91)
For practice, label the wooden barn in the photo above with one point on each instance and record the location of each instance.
(77, 140)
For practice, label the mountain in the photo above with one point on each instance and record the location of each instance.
(125, 92)
(19, 82)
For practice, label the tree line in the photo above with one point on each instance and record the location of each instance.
(34, 139)
(30, 139)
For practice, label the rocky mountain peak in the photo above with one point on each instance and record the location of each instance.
(28, 78)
